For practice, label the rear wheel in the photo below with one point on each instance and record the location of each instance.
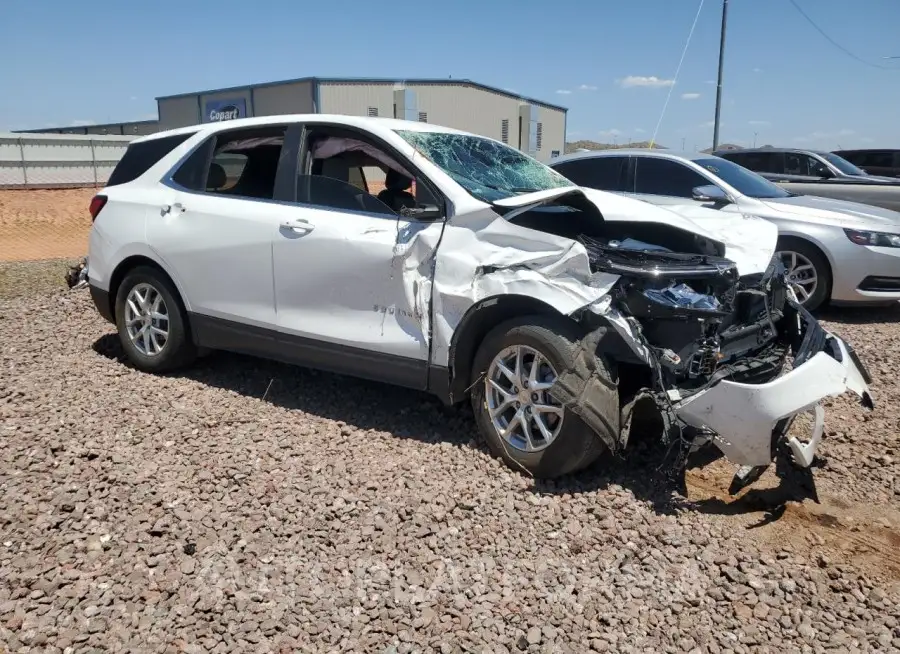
(151, 322)
(514, 369)
(808, 271)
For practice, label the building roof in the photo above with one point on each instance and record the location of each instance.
(374, 80)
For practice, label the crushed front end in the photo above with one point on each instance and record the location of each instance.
(734, 358)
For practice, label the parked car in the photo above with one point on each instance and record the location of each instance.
(814, 172)
(885, 163)
(834, 250)
(447, 262)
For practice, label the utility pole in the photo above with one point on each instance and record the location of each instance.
(754, 138)
(719, 82)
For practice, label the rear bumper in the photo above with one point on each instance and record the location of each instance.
(101, 302)
(748, 420)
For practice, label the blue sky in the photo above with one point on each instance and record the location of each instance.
(610, 62)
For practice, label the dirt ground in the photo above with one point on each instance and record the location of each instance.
(44, 224)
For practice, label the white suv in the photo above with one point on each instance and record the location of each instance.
(448, 262)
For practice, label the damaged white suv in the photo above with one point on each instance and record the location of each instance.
(448, 262)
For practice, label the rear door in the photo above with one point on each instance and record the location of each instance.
(215, 224)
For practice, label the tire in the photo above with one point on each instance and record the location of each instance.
(575, 445)
(796, 249)
(177, 349)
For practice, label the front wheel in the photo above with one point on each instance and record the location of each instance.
(807, 272)
(514, 369)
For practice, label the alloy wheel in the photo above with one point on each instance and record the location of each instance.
(147, 319)
(520, 406)
(801, 274)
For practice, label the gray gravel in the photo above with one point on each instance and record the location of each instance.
(246, 506)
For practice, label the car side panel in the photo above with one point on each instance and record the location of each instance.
(874, 194)
(220, 250)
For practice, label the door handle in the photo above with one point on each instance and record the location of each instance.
(167, 208)
(299, 225)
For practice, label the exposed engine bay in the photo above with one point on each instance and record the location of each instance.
(716, 343)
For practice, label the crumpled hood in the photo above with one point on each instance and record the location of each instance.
(749, 241)
(842, 212)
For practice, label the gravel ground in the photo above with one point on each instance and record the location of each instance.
(247, 506)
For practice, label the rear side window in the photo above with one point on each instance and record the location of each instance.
(240, 163)
(140, 157)
(603, 173)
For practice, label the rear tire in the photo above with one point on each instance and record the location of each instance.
(799, 254)
(152, 322)
(552, 343)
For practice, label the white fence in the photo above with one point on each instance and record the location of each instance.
(58, 160)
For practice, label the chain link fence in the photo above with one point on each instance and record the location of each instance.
(46, 183)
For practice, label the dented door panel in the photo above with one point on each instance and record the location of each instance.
(347, 280)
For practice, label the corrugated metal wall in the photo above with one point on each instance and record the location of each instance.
(178, 112)
(295, 98)
(52, 161)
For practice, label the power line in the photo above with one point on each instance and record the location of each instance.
(835, 43)
(677, 71)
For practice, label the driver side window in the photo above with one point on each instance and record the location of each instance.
(656, 176)
(346, 172)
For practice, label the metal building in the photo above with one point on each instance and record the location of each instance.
(533, 126)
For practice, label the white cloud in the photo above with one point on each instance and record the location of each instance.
(711, 81)
(710, 123)
(610, 133)
(563, 92)
(759, 123)
(638, 130)
(690, 96)
(757, 70)
(866, 139)
(587, 87)
(652, 82)
(133, 98)
(82, 123)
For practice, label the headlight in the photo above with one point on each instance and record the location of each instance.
(873, 238)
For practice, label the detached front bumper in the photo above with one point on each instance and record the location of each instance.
(748, 420)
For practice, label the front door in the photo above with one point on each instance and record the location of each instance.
(352, 276)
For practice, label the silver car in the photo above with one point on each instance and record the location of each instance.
(835, 250)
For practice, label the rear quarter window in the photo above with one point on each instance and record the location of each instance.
(140, 157)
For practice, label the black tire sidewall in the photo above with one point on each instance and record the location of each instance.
(179, 349)
(576, 446)
(819, 262)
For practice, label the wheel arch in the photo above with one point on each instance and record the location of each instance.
(130, 263)
(475, 324)
(787, 237)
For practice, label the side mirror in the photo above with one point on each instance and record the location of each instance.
(710, 193)
(423, 212)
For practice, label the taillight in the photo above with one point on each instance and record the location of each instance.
(97, 203)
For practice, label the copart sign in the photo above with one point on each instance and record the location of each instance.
(215, 111)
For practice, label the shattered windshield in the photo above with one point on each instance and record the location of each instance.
(487, 169)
